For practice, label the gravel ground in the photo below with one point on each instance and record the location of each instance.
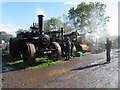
(89, 71)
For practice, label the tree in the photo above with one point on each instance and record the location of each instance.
(56, 24)
(66, 23)
(47, 25)
(89, 17)
(6, 36)
(115, 41)
(0, 37)
(19, 31)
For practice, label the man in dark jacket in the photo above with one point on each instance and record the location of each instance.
(68, 48)
(72, 46)
(108, 49)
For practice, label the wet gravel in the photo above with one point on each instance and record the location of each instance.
(89, 71)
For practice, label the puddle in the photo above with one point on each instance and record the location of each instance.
(7, 69)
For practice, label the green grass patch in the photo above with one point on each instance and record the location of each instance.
(39, 63)
(43, 62)
(18, 61)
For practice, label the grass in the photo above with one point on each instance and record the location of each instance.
(43, 65)
(18, 61)
(39, 63)
(43, 62)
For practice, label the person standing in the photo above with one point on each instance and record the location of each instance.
(108, 49)
(68, 48)
(72, 46)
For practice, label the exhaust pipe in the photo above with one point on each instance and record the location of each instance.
(0, 37)
(62, 31)
(40, 22)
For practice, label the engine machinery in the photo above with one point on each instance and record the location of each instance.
(36, 43)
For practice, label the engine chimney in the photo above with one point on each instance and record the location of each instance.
(40, 21)
(62, 36)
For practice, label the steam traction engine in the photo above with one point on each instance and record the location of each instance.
(60, 37)
(75, 36)
(34, 44)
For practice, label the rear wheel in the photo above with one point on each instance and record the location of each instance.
(14, 48)
(29, 53)
(57, 54)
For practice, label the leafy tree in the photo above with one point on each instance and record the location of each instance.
(115, 41)
(6, 36)
(46, 25)
(89, 17)
(66, 24)
(0, 37)
(118, 42)
(19, 31)
(56, 24)
(66, 27)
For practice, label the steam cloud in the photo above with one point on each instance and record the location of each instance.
(40, 12)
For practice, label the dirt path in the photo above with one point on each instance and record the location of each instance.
(29, 78)
(91, 74)
(85, 72)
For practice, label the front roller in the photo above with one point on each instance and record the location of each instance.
(81, 47)
(29, 53)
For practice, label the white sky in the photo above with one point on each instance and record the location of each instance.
(111, 10)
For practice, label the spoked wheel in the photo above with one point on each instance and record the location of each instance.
(55, 46)
(29, 53)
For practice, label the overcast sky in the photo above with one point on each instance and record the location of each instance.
(22, 14)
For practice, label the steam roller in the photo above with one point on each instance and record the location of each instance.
(32, 44)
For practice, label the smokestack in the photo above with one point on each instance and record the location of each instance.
(40, 21)
(62, 31)
(0, 37)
